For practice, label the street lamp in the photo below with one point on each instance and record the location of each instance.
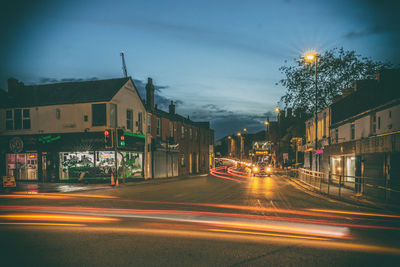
(310, 57)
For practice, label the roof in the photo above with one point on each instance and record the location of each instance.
(177, 117)
(65, 93)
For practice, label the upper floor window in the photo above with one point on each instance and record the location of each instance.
(129, 119)
(352, 131)
(99, 115)
(191, 133)
(139, 122)
(18, 119)
(379, 123)
(182, 132)
(158, 127)
(113, 115)
(148, 124)
(373, 123)
(58, 113)
(390, 114)
(171, 129)
(336, 135)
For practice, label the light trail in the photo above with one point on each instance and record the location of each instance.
(356, 213)
(55, 217)
(267, 234)
(63, 194)
(43, 224)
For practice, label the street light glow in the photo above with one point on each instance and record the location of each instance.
(266, 122)
(277, 109)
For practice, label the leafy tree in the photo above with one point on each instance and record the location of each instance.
(337, 69)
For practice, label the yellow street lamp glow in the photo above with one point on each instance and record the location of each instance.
(239, 134)
(277, 109)
(266, 123)
(244, 129)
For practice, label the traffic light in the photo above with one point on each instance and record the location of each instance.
(120, 138)
(108, 138)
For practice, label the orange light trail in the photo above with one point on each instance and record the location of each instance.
(55, 217)
(356, 213)
(63, 194)
(35, 196)
(267, 234)
(43, 224)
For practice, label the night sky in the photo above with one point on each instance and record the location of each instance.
(218, 59)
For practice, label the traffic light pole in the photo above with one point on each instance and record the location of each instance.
(115, 152)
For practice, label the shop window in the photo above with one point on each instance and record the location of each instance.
(99, 115)
(352, 131)
(129, 119)
(158, 127)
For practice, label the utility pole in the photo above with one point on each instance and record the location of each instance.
(124, 65)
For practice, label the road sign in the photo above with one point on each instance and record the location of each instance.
(9, 181)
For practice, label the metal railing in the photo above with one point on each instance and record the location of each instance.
(349, 187)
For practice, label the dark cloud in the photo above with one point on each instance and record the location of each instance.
(377, 29)
(44, 80)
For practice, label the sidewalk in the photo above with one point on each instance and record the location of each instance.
(41, 187)
(346, 195)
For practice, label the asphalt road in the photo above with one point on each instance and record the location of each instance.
(222, 220)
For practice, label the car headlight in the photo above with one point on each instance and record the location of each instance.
(255, 169)
(268, 169)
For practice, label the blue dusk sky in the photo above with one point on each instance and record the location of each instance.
(219, 59)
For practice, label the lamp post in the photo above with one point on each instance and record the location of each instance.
(267, 130)
(239, 134)
(278, 116)
(313, 57)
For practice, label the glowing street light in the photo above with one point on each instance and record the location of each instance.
(313, 57)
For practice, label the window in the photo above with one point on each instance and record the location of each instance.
(158, 127)
(171, 129)
(373, 123)
(85, 118)
(390, 114)
(352, 131)
(148, 124)
(58, 114)
(99, 115)
(336, 135)
(113, 116)
(9, 120)
(379, 123)
(18, 119)
(129, 119)
(191, 133)
(26, 119)
(140, 122)
(182, 132)
(324, 126)
(183, 160)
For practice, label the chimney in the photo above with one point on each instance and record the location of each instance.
(14, 87)
(150, 94)
(172, 108)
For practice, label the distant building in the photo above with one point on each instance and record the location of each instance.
(180, 146)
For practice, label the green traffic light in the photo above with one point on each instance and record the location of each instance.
(122, 143)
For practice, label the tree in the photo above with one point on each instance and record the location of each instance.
(337, 69)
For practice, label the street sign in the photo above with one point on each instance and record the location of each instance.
(9, 181)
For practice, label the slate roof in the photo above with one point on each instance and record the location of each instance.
(177, 117)
(65, 93)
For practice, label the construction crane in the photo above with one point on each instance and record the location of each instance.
(124, 65)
